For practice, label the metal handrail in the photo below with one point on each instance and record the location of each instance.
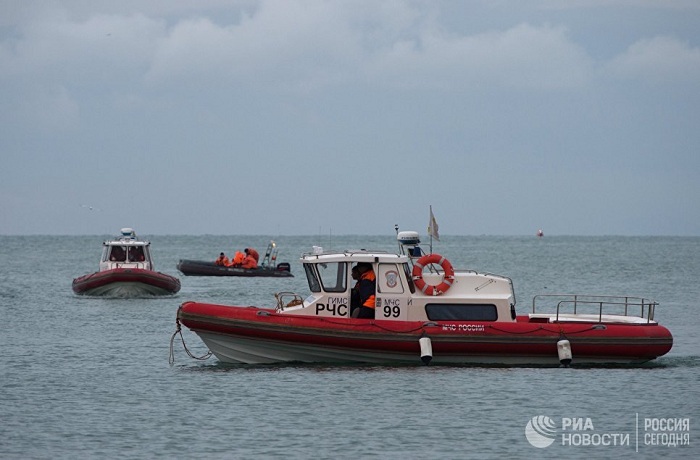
(282, 304)
(602, 301)
(126, 264)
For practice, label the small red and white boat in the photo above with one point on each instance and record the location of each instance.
(126, 270)
(425, 311)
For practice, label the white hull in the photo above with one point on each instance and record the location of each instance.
(242, 350)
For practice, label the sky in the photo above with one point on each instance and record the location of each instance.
(305, 117)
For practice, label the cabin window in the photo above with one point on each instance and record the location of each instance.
(333, 276)
(461, 312)
(105, 254)
(389, 279)
(409, 277)
(314, 284)
(136, 254)
(117, 254)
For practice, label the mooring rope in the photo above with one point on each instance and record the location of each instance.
(178, 330)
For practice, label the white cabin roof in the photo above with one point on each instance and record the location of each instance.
(354, 256)
(126, 243)
(127, 238)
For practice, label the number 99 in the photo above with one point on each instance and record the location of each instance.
(394, 311)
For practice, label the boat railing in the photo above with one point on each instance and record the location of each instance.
(141, 265)
(287, 299)
(597, 305)
(319, 251)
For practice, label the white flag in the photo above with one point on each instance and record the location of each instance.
(433, 226)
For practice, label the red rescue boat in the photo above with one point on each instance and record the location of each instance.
(426, 311)
(126, 270)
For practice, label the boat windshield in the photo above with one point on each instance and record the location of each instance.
(117, 253)
(136, 254)
(330, 277)
(333, 276)
(314, 284)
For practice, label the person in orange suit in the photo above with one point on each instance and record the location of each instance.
(250, 261)
(238, 259)
(222, 260)
(253, 253)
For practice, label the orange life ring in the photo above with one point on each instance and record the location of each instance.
(429, 289)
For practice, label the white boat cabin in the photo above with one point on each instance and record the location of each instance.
(410, 286)
(126, 251)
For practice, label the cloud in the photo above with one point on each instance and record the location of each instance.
(319, 45)
(52, 110)
(310, 46)
(656, 60)
(287, 44)
(523, 56)
(219, 92)
(94, 50)
(293, 46)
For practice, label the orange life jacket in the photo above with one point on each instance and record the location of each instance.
(249, 262)
(238, 258)
(369, 276)
(254, 254)
(222, 260)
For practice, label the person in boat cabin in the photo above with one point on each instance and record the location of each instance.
(118, 254)
(367, 290)
(250, 261)
(222, 260)
(355, 292)
(136, 254)
(237, 260)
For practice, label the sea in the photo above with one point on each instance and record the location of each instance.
(107, 378)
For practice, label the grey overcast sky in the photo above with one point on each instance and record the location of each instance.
(347, 117)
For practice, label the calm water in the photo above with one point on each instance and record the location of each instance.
(90, 377)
